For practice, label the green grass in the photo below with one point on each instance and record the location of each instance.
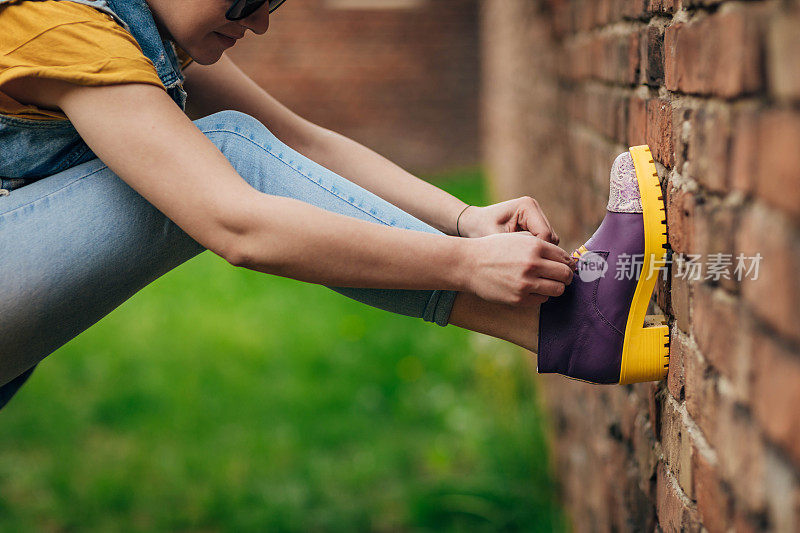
(222, 399)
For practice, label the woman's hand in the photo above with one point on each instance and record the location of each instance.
(516, 268)
(520, 214)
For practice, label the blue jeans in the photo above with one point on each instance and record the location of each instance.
(77, 244)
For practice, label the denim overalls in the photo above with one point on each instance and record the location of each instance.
(33, 149)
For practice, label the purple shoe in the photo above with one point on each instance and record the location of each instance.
(596, 330)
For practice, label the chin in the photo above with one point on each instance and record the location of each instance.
(208, 57)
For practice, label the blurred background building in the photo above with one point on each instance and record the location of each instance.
(400, 76)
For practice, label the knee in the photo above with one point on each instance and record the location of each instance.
(235, 132)
(228, 120)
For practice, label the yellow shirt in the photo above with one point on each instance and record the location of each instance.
(70, 42)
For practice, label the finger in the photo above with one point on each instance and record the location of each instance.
(554, 253)
(556, 271)
(538, 226)
(532, 300)
(547, 287)
(535, 220)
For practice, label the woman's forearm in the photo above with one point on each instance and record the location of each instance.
(224, 86)
(377, 174)
(291, 238)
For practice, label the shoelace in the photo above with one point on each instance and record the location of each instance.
(577, 255)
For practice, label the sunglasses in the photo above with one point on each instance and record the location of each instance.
(244, 8)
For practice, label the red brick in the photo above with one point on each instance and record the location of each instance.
(659, 131)
(583, 20)
(745, 523)
(601, 14)
(680, 296)
(604, 111)
(562, 24)
(619, 119)
(714, 224)
(655, 397)
(677, 446)
(716, 324)
(776, 291)
(708, 147)
(662, 291)
(784, 60)
(644, 458)
(674, 511)
(681, 115)
(597, 61)
(616, 57)
(702, 393)
(776, 394)
(652, 54)
(629, 409)
(675, 377)
(576, 62)
(633, 8)
(745, 153)
(740, 453)
(713, 500)
(637, 121)
(661, 6)
(783, 497)
(625, 51)
(719, 54)
(694, 3)
(778, 177)
(684, 469)
(680, 220)
(671, 49)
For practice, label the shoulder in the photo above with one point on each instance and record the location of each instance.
(66, 41)
(43, 14)
(26, 22)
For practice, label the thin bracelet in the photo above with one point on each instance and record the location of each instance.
(459, 218)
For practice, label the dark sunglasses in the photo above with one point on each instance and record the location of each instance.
(244, 8)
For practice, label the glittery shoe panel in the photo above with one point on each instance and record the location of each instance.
(623, 194)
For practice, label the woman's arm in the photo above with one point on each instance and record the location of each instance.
(139, 132)
(223, 85)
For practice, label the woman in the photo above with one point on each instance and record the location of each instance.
(112, 177)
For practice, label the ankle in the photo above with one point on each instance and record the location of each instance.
(518, 325)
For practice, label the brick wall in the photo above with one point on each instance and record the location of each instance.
(713, 87)
(400, 76)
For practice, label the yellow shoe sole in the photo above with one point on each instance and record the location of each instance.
(645, 349)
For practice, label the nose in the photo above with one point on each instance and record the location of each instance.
(258, 21)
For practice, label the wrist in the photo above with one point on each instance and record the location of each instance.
(462, 265)
(465, 221)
